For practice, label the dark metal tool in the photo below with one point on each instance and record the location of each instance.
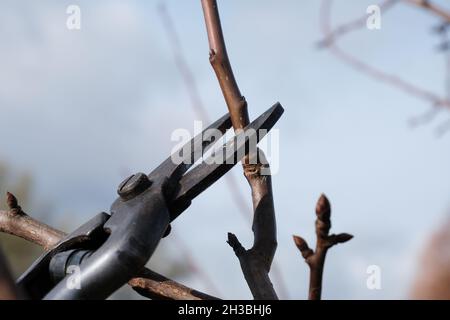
(110, 249)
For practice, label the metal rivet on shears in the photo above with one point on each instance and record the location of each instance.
(133, 186)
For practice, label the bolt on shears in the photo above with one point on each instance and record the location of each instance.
(110, 249)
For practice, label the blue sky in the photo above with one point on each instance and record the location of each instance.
(82, 109)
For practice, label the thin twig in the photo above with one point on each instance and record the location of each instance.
(353, 25)
(148, 283)
(316, 259)
(359, 65)
(199, 109)
(255, 262)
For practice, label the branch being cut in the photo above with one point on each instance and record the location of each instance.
(316, 259)
(433, 8)
(437, 102)
(148, 283)
(255, 262)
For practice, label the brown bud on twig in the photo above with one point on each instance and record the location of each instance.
(316, 259)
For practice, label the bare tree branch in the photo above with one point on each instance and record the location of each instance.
(195, 267)
(316, 259)
(218, 56)
(445, 16)
(255, 262)
(360, 22)
(148, 283)
(155, 286)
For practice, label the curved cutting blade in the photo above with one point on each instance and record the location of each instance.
(210, 170)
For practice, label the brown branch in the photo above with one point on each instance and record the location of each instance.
(8, 289)
(155, 286)
(255, 262)
(148, 283)
(218, 56)
(316, 259)
(360, 22)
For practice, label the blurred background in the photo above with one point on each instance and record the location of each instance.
(82, 109)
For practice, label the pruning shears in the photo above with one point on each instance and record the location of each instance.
(104, 253)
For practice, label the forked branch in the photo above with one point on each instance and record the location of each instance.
(255, 262)
(316, 259)
(431, 7)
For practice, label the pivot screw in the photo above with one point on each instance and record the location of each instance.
(133, 186)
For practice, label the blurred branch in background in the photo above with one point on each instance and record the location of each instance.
(316, 259)
(356, 24)
(147, 283)
(330, 37)
(20, 253)
(199, 109)
(192, 265)
(433, 278)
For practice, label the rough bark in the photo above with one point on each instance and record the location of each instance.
(148, 283)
